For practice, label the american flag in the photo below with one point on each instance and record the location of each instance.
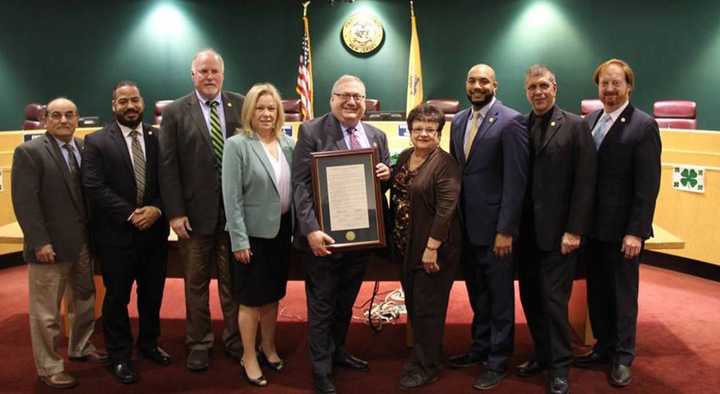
(304, 86)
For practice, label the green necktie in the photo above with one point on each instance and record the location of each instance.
(216, 134)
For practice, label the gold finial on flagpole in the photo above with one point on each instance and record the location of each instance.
(305, 5)
(412, 9)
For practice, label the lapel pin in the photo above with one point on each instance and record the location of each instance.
(491, 119)
(552, 124)
(622, 120)
(149, 132)
(229, 104)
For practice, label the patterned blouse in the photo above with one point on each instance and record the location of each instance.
(401, 200)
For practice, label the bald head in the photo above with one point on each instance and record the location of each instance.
(480, 85)
(62, 118)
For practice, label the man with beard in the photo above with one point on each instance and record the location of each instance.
(333, 279)
(128, 227)
(193, 133)
(49, 205)
(557, 213)
(628, 180)
(490, 142)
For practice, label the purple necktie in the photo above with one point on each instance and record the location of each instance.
(354, 141)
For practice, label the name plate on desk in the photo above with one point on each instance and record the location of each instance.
(348, 202)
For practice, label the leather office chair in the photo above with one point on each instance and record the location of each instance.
(590, 105)
(676, 114)
(449, 106)
(159, 107)
(34, 116)
(292, 110)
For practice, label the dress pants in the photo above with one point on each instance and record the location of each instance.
(426, 300)
(121, 266)
(489, 280)
(332, 284)
(47, 283)
(545, 279)
(612, 286)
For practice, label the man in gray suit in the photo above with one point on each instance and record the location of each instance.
(49, 205)
(193, 132)
(333, 279)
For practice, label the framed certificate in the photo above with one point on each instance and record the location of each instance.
(348, 201)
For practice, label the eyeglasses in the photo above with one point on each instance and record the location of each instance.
(348, 96)
(70, 115)
(426, 131)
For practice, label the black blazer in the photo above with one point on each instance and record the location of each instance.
(189, 173)
(109, 181)
(319, 135)
(561, 191)
(495, 174)
(628, 176)
(45, 206)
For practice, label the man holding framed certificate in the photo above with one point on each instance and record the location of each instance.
(333, 278)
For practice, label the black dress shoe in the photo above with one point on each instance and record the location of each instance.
(489, 380)
(620, 375)
(276, 366)
(590, 360)
(124, 372)
(465, 360)
(259, 382)
(529, 368)
(234, 354)
(347, 360)
(323, 384)
(416, 379)
(197, 360)
(156, 355)
(558, 385)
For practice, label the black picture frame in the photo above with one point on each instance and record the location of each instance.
(346, 239)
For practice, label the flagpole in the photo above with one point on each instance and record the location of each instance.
(415, 88)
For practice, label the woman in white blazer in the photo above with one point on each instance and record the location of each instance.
(257, 197)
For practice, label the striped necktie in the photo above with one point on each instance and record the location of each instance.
(600, 129)
(138, 166)
(216, 134)
(354, 141)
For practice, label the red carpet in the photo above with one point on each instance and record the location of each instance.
(678, 349)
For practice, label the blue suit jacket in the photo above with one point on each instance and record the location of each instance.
(250, 193)
(494, 175)
(628, 176)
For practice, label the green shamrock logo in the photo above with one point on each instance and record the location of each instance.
(689, 177)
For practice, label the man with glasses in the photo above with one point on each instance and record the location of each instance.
(557, 213)
(333, 279)
(490, 142)
(49, 205)
(193, 133)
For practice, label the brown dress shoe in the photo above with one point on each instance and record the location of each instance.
(94, 357)
(60, 380)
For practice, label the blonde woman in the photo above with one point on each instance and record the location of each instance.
(257, 196)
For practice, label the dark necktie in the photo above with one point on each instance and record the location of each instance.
(138, 166)
(74, 170)
(354, 140)
(216, 135)
(537, 133)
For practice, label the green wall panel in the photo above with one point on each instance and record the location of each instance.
(81, 48)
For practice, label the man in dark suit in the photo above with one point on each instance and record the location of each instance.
(333, 279)
(628, 180)
(490, 142)
(557, 213)
(129, 231)
(193, 132)
(50, 207)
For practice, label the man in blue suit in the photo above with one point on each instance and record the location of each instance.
(490, 142)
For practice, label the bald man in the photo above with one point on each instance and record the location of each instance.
(49, 205)
(490, 142)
